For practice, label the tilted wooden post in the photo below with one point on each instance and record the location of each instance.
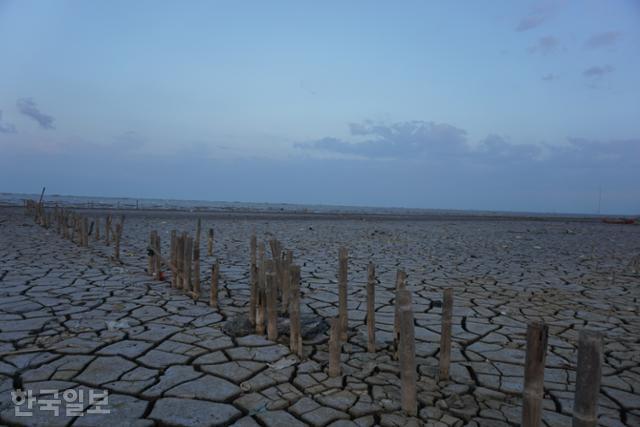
(210, 243)
(253, 298)
(371, 308)
(272, 304)
(401, 283)
(213, 294)
(445, 334)
(285, 279)
(537, 335)
(407, 353)
(585, 404)
(343, 316)
(334, 348)
(295, 334)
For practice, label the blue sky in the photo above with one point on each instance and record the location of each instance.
(501, 105)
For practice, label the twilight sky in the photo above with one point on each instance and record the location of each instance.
(501, 105)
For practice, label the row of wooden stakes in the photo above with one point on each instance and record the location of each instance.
(76, 227)
(276, 281)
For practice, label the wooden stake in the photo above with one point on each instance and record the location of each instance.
(157, 270)
(371, 307)
(253, 299)
(401, 283)
(210, 243)
(537, 334)
(585, 405)
(213, 294)
(334, 348)
(272, 305)
(407, 353)
(262, 304)
(188, 258)
(173, 258)
(343, 260)
(196, 261)
(97, 229)
(107, 229)
(116, 247)
(150, 248)
(445, 334)
(295, 335)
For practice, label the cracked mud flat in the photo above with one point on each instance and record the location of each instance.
(72, 319)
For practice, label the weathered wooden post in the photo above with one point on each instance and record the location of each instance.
(401, 283)
(85, 231)
(295, 333)
(173, 259)
(262, 304)
(97, 229)
(116, 246)
(343, 316)
(210, 243)
(537, 335)
(585, 405)
(272, 304)
(150, 253)
(157, 258)
(188, 259)
(182, 241)
(407, 353)
(196, 261)
(334, 348)
(253, 298)
(445, 334)
(107, 229)
(371, 307)
(213, 294)
(285, 279)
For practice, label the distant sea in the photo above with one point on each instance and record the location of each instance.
(16, 199)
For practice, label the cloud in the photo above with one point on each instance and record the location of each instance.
(549, 77)
(397, 140)
(605, 39)
(545, 45)
(6, 127)
(597, 71)
(28, 107)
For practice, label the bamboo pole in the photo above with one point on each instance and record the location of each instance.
(445, 334)
(589, 373)
(295, 334)
(213, 294)
(343, 316)
(371, 307)
(334, 348)
(537, 334)
(407, 353)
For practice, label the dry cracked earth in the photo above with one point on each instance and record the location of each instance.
(72, 319)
